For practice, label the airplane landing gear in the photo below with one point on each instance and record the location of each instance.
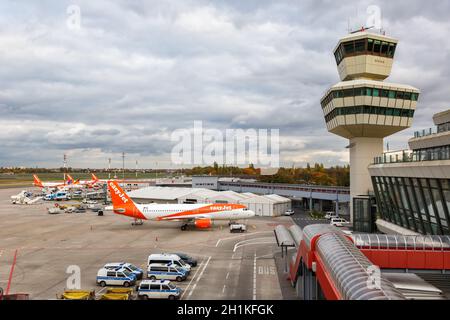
(184, 227)
(137, 222)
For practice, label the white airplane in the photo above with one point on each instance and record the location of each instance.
(55, 185)
(201, 215)
(86, 183)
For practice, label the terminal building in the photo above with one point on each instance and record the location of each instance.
(412, 187)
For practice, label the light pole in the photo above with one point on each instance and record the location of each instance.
(123, 169)
(109, 168)
(136, 169)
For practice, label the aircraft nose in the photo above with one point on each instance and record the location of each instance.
(251, 213)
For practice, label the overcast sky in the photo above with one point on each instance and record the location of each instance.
(137, 70)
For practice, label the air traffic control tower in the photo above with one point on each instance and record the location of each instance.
(362, 107)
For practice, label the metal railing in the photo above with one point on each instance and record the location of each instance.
(412, 156)
(425, 132)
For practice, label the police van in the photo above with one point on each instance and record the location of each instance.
(115, 277)
(158, 289)
(138, 272)
(165, 258)
(165, 272)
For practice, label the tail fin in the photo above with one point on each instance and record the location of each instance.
(70, 180)
(122, 203)
(37, 182)
(94, 177)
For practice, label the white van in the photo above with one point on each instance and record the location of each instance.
(138, 272)
(158, 289)
(158, 271)
(165, 258)
(117, 277)
(339, 222)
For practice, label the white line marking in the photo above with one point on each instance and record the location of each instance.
(242, 235)
(254, 277)
(224, 287)
(199, 267)
(228, 274)
(199, 277)
(253, 243)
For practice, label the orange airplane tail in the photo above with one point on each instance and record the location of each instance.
(122, 203)
(94, 177)
(37, 182)
(71, 180)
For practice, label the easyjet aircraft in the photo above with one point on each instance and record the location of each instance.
(87, 183)
(54, 185)
(201, 215)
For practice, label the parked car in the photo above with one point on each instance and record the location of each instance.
(330, 215)
(187, 259)
(339, 222)
(289, 213)
(158, 289)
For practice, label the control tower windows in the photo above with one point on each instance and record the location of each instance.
(369, 92)
(382, 111)
(369, 45)
(364, 46)
(376, 46)
(392, 94)
(360, 46)
(376, 92)
(349, 48)
(391, 50)
(384, 48)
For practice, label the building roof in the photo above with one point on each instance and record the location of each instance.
(364, 35)
(277, 198)
(229, 195)
(442, 117)
(163, 193)
(373, 83)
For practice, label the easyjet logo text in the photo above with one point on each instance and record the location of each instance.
(121, 195)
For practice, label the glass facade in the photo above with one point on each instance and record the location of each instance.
(396, 112)
(369, 92)
(365, 46)
(421, 205)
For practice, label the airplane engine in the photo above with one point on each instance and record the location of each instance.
(203, 223)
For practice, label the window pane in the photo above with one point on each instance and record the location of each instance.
(384, 48)
(360, 45)
(349, 48)
(359, 91)
(400, 94)
(348, 93)
(376, 92)
(377, 46)
(370, 45)
(392, 94)
(384, 93)
(369, 92)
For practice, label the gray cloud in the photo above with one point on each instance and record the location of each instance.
(137, 70)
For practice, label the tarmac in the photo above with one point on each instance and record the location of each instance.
(39, 252)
